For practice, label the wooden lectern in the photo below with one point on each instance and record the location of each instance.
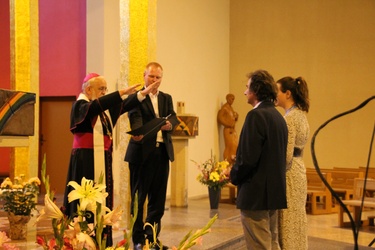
(187, 129)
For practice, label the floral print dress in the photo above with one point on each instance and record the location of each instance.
(293, 220)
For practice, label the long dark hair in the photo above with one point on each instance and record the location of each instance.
(299, 90)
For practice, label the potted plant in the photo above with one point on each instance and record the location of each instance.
(19, 200)
(214, 174)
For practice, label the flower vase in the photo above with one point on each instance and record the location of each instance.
(214, 196)
(18, 226)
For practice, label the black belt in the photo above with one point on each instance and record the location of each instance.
(297, 152)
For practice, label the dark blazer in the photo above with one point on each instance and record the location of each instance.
(138, 152)
(259, 170)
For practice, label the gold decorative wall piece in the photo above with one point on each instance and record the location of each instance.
(24, 46)
(188, 126)
(17, 113)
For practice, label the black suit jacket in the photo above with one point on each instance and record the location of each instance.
(260, 167)
(138, 152)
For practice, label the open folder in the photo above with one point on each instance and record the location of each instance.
(150, 128)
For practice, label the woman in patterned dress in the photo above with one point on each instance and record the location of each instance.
(293, 97)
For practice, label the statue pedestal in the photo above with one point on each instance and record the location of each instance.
(187, 129)
(179, 182)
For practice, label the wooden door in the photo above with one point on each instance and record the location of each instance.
(55, 140)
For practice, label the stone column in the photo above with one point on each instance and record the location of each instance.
(121, 41)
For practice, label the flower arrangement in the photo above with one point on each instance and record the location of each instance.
(19, 196)
(77, 233)
(212, 173)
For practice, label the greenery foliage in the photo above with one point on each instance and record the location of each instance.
(20, 196)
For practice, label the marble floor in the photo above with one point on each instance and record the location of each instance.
(226, 231)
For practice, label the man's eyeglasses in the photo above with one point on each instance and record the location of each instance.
(103, 89)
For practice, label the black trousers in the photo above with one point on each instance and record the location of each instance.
(150, 181)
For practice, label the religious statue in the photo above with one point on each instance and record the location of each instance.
(228, 118)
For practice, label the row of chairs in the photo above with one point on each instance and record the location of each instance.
(319, 198)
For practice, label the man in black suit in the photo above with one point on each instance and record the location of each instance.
(149, 157)
(260, 166)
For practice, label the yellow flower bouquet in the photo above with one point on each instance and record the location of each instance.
(212, 173)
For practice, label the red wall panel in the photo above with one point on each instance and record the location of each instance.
(62, 48)
(4, 45)
(62, 28)
(5, 73)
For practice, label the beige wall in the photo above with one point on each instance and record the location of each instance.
(331, 44)
(193, 47)
(206, 53)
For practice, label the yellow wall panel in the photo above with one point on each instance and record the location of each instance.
(138, 40)
(24, 39)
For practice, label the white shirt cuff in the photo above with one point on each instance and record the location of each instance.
(140, 96)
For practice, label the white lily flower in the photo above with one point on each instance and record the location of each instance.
(87, 240)
(112, 217)
(90, 206)
(87, 193)
(50, 210)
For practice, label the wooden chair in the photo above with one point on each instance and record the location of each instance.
(343, 184)
(319, 199)
(355, 203)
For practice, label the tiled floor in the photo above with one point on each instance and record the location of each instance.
(226, 232)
